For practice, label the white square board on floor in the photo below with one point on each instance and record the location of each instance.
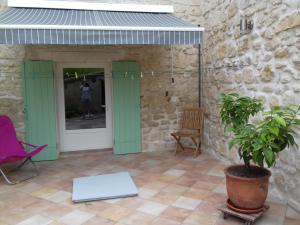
(101, 187)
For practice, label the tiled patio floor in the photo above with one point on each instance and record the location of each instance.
(173, 190)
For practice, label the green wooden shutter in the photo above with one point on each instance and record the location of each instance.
(40, 119)
(126, 102)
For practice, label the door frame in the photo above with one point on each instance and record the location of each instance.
(60, 103)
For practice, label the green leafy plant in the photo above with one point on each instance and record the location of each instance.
(262, 141)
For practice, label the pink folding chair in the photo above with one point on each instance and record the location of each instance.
(13, 150)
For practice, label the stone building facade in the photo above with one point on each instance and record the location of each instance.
(264, 63)
(160, 113)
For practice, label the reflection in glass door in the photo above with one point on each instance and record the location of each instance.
(84, 91)
(84, 106)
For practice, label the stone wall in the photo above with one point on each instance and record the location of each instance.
(263, 63)
(162, 100)
(11, 96)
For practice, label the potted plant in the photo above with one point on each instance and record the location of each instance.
(258, 143)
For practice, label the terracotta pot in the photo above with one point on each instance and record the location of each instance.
(244, 192)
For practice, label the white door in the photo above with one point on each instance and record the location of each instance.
(84, 106)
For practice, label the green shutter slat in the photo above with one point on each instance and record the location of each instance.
(40, 119)
(126, 100)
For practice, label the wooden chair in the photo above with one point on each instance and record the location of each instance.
(191, 126)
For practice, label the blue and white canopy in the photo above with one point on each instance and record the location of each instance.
(20, 25)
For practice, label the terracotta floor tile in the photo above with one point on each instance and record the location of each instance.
(16, 198)
(152, 208)
(173, 190)
(140, 181)
(196, 193)
(277, 209)
(30, 187)
(150, 176)
(216, 198)
(176, 214)
(229, 221)
(210, 179)
(59, 196)
(113, 201)
(220, 167)
(40, 206)
(186, 203)
(175, 172)
(97, 220)
(186, 181)
(163, 221)
(270, 220)
(15, 217)
(147, 193)
(44, 192)
(165, 197)
(95, 206)
(76, 217)
(115, 213)
(166, 178)
(132, 202)
(137, 218)
(204, 185)
(69, 203)
(183, 166)
(220, 189)
(156, 185)
(56, 211)
(36, 220)
(208, 208)
(291, 222)
(55, 223)
(290, 212)
(218, 173)
(198, 218)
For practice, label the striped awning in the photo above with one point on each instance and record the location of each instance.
(92, 27)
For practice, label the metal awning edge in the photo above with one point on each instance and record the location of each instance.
(119, 28)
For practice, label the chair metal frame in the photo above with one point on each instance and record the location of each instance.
(13, 150)
(191, 126)
(36, 172)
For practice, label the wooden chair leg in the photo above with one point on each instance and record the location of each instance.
(175, 137)
(178, 143)
(197, 150)
(195, 142)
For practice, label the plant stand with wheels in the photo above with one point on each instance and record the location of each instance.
(249, 219)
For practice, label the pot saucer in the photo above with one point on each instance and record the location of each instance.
(244, 211)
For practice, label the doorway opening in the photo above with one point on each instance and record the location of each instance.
(84, 107)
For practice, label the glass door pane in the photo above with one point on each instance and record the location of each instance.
(84, 91)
